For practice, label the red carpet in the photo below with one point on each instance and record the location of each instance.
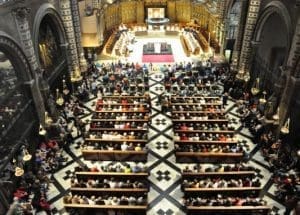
(158, 58)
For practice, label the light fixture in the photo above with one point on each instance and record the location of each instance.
(18, 170)
(286, 127)
(263, 100)
(26, 155)
(48, 119)
(76, 75)
(42, 131)
(276, 115)
(255, 89)
(66, 91)
(59, 98)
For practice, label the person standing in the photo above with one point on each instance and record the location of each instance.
(224, 99)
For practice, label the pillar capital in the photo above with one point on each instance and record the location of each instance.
(255, 44)
(21, 12)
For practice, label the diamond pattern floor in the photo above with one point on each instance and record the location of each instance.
(165, 196)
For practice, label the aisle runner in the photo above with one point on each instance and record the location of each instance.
(158, 58)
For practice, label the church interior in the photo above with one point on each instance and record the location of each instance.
(132, 107)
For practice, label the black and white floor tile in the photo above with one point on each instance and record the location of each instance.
(165, 195)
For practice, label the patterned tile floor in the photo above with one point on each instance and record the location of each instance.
(165, 196)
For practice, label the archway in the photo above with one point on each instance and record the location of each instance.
(50, 44)
(48, 32)
(49, 49)
(233, 19)
(272, 33)
(18, 116)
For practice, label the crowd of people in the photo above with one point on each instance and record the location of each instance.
(260, 117)
(183, 79)
(218, 168)
(114, 168)
(224, 201)
(221, 183)
(106, 200)
(31, 194)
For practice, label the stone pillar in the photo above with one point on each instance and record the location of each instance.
(221, 8)
(295, 47)
(291, 80)
(239, 40)
(246, 51)
(72, 52)
(21, 18)
(77, 32)
(101, 23)
(294, 114)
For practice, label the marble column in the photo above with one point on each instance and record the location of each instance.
(72, 52)
(21, 15)
(246, 51)
(77, 32)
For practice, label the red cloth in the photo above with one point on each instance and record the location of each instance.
(20, 193)
(44, 204)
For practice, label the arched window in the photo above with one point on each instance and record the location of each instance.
(12, 98)
(50, 50)
(233, 20)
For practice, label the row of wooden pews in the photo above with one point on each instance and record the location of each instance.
(229, 189)
(204, 135)
(192, 44)
(109, 46)
(195, 140)
(119, 133)
(119, 139)
(122, 189)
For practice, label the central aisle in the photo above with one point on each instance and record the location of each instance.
(164, 173)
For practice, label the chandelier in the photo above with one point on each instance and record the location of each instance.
(59, 98)
(255, 89)
(276, 115)
(286, 127)
(263, 99)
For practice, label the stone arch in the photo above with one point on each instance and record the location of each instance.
(271, 8)
(297, 68)
(14, 51)
(229, 4)
(47, 10)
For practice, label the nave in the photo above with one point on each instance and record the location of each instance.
(165, 195)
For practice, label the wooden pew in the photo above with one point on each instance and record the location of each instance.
(205, 131)
(184, 46)
(122, 111)
(119, 129)
(114, 155)
(213, 210)
(201, 120)
(119, 120)
(208, 157)
(206, 104)
(103, 209)
(220, 174)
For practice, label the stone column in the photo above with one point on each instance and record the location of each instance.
(246, 51)
(101, 25)
(221, 8)
(239, 39)
(21, 18)
(77, 32)
(72, 52)
(291, 80)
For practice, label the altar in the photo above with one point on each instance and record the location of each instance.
(157, 23)
(157, 48)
